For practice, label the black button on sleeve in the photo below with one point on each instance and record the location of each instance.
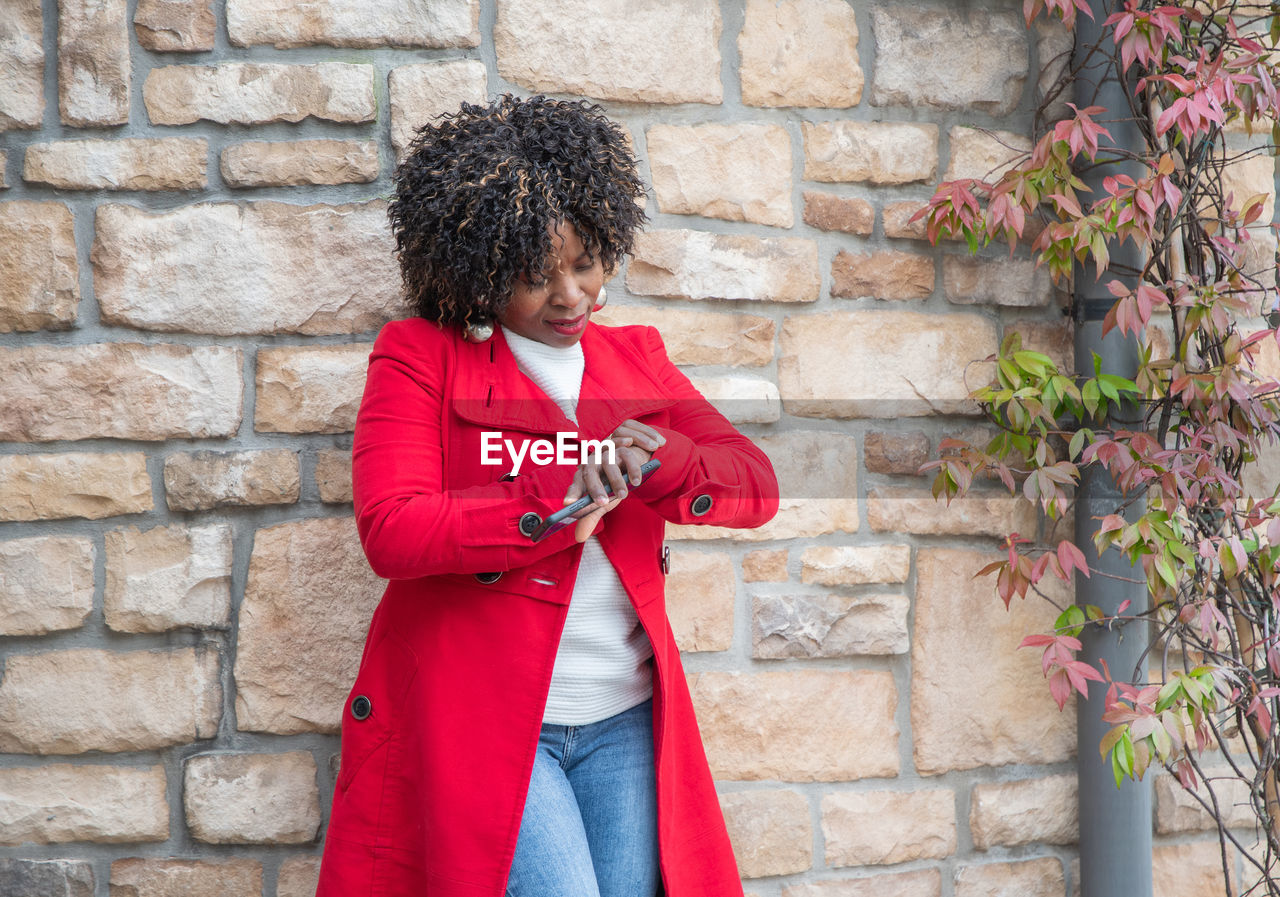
(528, 523)
(701, 505)
(361, 707)
(489, 578)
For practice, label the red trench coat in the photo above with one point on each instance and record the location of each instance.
(439, 732)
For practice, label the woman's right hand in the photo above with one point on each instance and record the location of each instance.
(634, 444)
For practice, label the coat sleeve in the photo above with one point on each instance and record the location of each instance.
(409, 524)
(710, 473)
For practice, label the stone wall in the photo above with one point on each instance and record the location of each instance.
(194, 259)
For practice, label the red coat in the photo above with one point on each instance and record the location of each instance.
(456, 669)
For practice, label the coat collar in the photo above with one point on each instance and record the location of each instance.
(618, 383)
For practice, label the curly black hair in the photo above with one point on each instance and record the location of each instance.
(481, 189)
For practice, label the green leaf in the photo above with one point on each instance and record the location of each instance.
(1076, 445)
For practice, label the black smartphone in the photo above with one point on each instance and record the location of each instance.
(568, 514)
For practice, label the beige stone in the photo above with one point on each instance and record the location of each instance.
(834, 565)
(298, 877)
(261, 163)
(169, 163)
(542, 46)
(976, 700)
(688, 264)
(938, 56)
(59, 802)
(801, 726)
(1029, 878)
(184, 26)
(872, 828)
(1053, 338)
(740, 172)
(73, 484)
(770, 831)
(898, 224)
(21, 65)
(742, 400)
(421, 91)
(242, 798)
(84, 699)
(39, 274)
(93, 63)
(1054, 43)
(701, 337)
(895, 453)
(260, 267)
(764, 566)
(800, 53)
(147, 877)
(348, 23)
(921, 883)
(1190, 870)
(885, 364)
(843, 213)
(1250, 172)
(296, 661)
(883, 153)
(168, 577)
(1178, 810)
(1027, 811)
(1013, 282)
(201, 481)
(119, 391)
(46, 584)
(700, 592)
(37, 878)
(983, 154)
(829, 625)
(310, 390)
(904, 509)
(254, 93)
(333, 475)
(882, 275)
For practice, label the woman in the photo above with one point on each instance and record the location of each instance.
(520, 723)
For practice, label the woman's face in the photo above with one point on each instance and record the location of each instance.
(556, 311)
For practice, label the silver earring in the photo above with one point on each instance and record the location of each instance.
(602, 299)
(478, 333)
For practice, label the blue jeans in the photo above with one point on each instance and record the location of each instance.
(590, 826)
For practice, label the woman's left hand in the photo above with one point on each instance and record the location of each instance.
(634, 443)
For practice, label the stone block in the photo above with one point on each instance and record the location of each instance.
(801, 726)
(242, 798)
(295, 662)
(168, 163)
(881, 275)
(770, 831)
(885, 364)
(904, 509)
(837, 565)
(983, 154)
(764, 566)
(701, 337)
(298, 877)
(310, 390)
(73, 484)
(882, 153)
(1012, 282)
(119, 391)
(700, 592)
(174, 26)
(254, 93)
(1028, 878)
(688, 264)
(147, 877)
(344, 23)
(333, 475)
(47, 584)
(1177, 810)
(201, 481)
(800, 53)
(1054, 43)
(421, 91)
(898, 224)
(93, 63)
(168, 577)
(86, 699)
(260, 267)
(540, 46)
(741, 399)
(739, 172)
(894, 452)
(976, 700)
(1027, 811)
(921, 883)
(39, 274)
(829, 625)
(295, 163)
(1053, 338)
(873, 828)
(847, 214)
(60, 802)
(46, 878)
(939, 56)
(1190, 870)
(21, 66)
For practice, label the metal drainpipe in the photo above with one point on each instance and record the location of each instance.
(1115, 823)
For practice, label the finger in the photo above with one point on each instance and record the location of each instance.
(632, 461)
(586, 525)
(617, 479)
(576, 488)
(642, 434)
(593, 484)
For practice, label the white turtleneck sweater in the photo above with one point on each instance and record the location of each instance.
(602, 665)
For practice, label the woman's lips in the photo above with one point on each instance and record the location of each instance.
(569, 326)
